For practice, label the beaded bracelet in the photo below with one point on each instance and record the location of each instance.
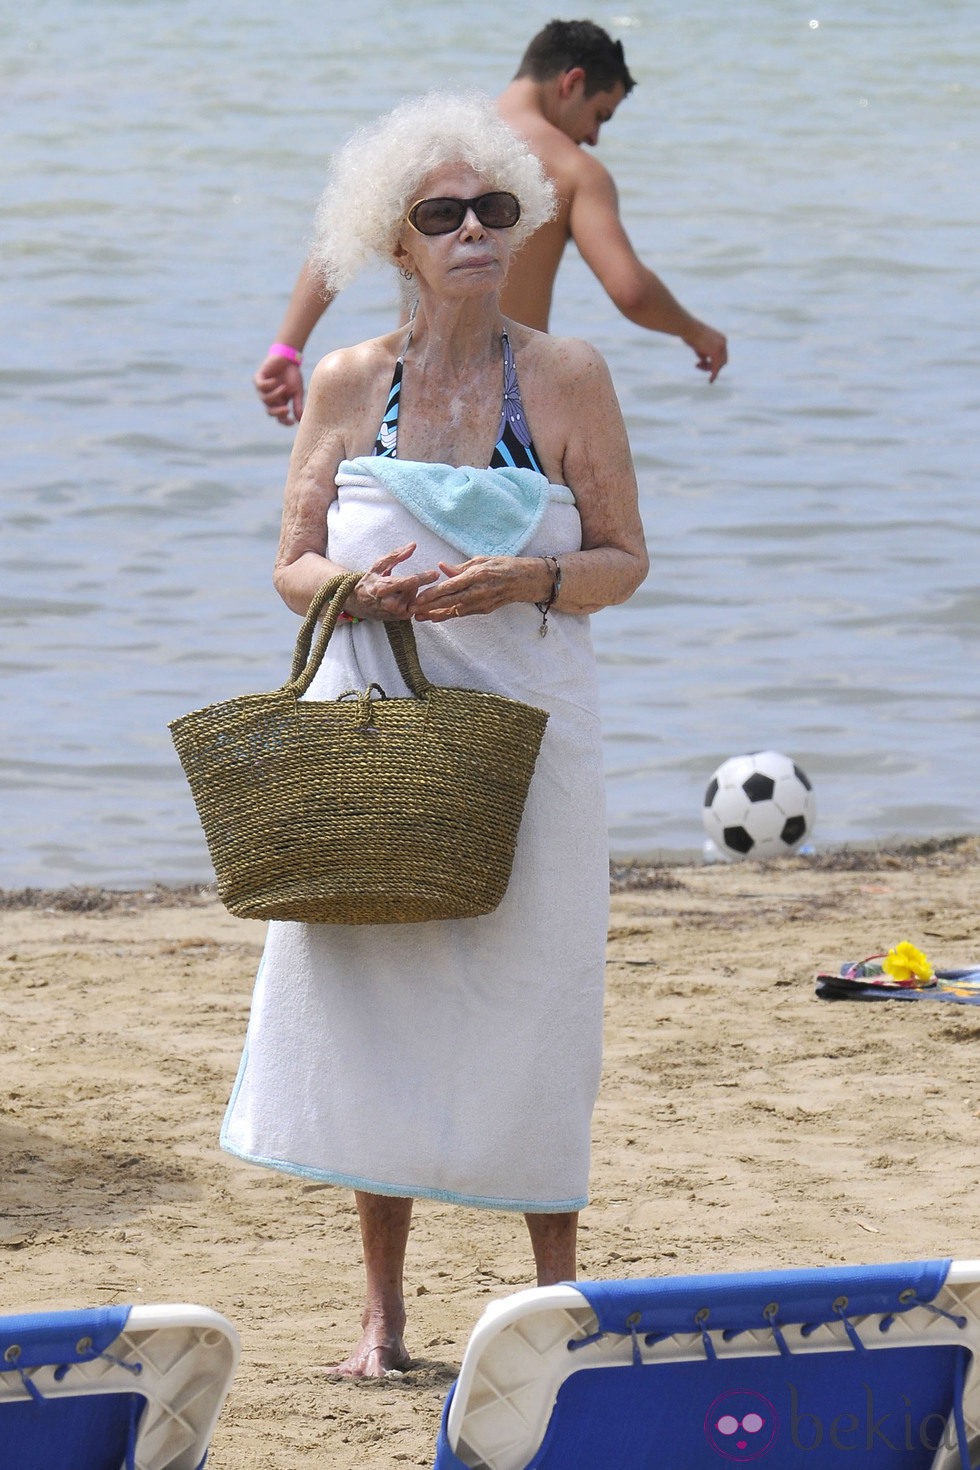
(545, 607)
(283, 349)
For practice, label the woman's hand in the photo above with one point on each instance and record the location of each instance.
(483, 584)
(382, 597)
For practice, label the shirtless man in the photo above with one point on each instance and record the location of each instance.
(570, 81)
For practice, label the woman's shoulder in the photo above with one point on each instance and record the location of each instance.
(567, 391)
(564, 362)
(345, 378)
(360, 360)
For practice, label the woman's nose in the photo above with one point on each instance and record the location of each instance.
(471, 224)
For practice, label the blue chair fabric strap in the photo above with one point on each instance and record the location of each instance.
(737, 1303)
(39, 1339)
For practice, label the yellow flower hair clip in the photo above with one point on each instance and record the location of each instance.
(908, 965)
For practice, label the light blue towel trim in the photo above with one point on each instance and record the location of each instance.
(410, 1191)
(480, 512)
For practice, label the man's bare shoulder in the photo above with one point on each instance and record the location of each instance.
(568, 164)
(586, 175)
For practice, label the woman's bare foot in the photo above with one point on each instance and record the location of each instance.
(372, 1359)
(385, 1222)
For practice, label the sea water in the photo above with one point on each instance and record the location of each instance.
(803, 176)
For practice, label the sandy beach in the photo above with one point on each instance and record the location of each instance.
(742, 1122)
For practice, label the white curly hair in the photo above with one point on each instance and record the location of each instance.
(376, 176)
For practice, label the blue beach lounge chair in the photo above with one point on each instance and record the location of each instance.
(868, 1367)
(113, 1388)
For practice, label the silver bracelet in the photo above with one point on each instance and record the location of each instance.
(545, 607)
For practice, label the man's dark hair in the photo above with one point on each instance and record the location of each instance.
(564, 44)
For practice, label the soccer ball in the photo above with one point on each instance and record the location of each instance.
(759, 806)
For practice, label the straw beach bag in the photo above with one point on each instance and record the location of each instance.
(364, 809)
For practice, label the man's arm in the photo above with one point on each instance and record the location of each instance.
(639, 294)
(279, 380)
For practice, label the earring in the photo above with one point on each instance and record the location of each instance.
(408, 275)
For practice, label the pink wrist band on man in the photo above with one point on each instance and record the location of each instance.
(283, 349)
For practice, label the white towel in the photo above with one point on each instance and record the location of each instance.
(455, 1060)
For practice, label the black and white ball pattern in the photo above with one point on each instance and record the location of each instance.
(759, 805)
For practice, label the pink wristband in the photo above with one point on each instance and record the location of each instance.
(283, 349)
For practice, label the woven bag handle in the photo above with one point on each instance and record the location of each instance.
(401, 637)
(305, 664)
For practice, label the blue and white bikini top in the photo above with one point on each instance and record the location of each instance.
(514, 447)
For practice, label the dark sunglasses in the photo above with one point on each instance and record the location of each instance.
(496, 211)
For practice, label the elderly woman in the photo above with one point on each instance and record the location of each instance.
(480, 472)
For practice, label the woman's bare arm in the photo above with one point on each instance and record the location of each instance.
(332, 429)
